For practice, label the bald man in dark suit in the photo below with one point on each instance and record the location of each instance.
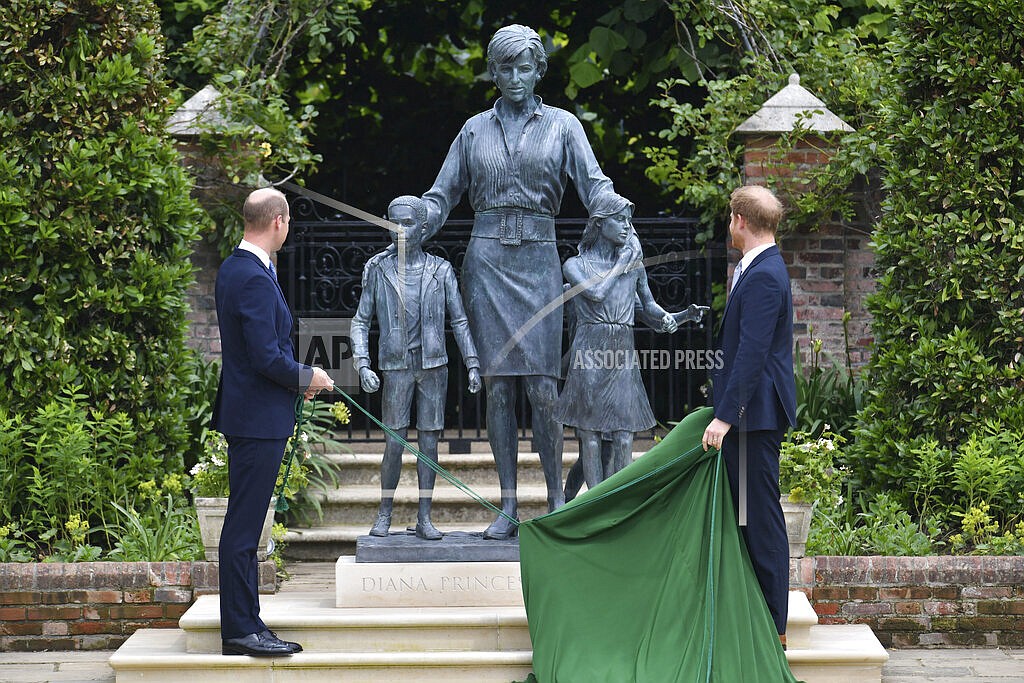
(255, 410)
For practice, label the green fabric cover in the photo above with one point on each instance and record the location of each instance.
(646, 578)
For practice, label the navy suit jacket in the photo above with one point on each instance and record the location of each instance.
(259, 375)
(755, 389)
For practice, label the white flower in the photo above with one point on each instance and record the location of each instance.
(197, 468)
(304, 436)
(217, 460)
(828, 427)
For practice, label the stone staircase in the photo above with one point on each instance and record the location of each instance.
(479, 642)
(350, 510)
(405, 644)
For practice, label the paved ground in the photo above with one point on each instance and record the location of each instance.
(904, 666)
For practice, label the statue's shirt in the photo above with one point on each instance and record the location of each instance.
(529, 174)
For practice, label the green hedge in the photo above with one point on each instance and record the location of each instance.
(97, 228)
(949, 309)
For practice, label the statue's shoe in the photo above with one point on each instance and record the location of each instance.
(427, 531)
(501, 529)
(382, 525)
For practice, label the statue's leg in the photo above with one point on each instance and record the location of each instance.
(390, 471)
(590, 456)
(504, 440)
(542, 392)
(607, 455)
(622, 451)
(574, 480)
(425, 476)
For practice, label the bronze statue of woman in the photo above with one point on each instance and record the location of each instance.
(513, 161)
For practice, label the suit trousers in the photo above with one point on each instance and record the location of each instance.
(765, 532)
(253, 465)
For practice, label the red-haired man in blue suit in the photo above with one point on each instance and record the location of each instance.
(755, 391)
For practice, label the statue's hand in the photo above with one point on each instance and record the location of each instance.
(692, 313)
(368, 380)
(474, 380)
(630, 251)
(669, 324)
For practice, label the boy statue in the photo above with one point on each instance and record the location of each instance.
(408, 291)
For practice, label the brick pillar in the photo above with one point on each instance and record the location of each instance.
(830, 265)
(203, 335)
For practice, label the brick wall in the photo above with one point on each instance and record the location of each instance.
(97, 605)
(203, 334)
(943, 601)
(830, 267)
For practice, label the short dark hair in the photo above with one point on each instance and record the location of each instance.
(415, 203)
(262, 206)
(759, 206)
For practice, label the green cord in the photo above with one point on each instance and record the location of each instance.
(300, 418)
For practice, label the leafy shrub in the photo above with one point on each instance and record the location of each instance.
(949, 309)
(881, 527)
(807, 470)
(164, 533)
(96, 228)
(826, 394)
(67, 468)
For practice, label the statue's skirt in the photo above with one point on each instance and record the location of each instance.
(512, 286)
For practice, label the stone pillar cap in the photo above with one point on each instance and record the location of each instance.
(200, 114)
(792, 106)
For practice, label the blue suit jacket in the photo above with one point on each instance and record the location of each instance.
(755, 388)
(259, 375)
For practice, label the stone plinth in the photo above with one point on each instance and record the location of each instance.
(455, 546)
(427, 584)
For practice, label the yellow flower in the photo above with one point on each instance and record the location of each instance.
(341, 412)
(265, 149)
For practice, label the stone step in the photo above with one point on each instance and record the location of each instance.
(160, 656)
(357, 505)
(327, 543)
(394, 644)
(839, 653)
(474, 469)
(314, 621)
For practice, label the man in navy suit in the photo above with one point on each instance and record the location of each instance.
(755, 391)
(255, 410)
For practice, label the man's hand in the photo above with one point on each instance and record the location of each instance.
(715, 434)
(474, 380)
(368, 380)
(321, 381)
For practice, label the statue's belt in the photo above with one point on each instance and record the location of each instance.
(512, 228)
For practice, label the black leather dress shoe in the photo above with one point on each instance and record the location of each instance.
(255, 645)
(270, 635)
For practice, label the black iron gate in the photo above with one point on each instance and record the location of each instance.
(321, 268)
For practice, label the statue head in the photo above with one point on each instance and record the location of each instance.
(610, 218)
(516, 61)
(409, 213)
